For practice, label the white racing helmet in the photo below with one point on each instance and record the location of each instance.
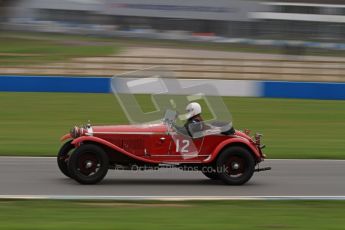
(193, 109)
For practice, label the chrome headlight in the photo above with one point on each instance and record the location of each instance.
(75, 132)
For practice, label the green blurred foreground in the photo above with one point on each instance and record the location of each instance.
(32, 123)
(172, 215)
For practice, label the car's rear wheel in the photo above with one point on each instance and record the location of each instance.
(63, 157)
(88, 164)
(235, 165)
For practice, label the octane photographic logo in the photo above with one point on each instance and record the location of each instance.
(169, 97)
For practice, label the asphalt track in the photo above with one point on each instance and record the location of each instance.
(23, 176)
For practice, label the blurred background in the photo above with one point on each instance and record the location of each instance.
(312, 20)
(46, 31)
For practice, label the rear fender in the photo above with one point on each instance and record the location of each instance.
(234, 141)
(82, 139)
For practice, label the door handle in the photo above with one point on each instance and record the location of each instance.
(162, 138)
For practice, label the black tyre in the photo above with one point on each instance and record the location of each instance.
(88, 164)
(63, 157)
(211, 174)
(235, 165)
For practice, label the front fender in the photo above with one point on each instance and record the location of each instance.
(234, 141)
(79, 140)
(66, 137)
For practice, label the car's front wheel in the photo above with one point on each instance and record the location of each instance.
(235, 165)
(63, 157)
(88, 164)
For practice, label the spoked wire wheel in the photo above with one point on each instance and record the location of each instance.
(88, 164)
(236, 165)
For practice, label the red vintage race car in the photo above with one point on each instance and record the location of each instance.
(219, 151)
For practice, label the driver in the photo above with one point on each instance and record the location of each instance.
(194, 119)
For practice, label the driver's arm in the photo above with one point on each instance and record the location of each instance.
(180, 129)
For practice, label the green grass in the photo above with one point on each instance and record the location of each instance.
(23, 51)
(32, 123)
(172, 215)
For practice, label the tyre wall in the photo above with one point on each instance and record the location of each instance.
(240, 88)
